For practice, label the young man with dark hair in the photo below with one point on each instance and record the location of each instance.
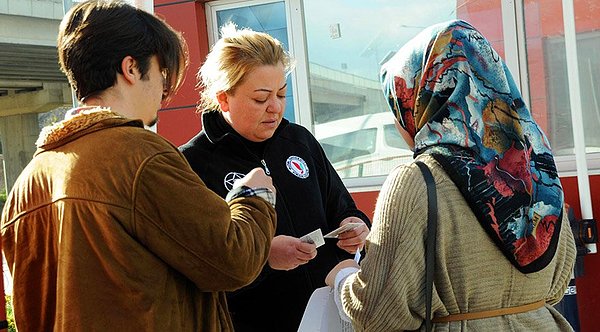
(108, 228)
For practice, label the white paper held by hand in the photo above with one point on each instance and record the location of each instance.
(346, 227)
(315, 237)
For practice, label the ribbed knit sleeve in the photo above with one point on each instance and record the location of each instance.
(391, 275)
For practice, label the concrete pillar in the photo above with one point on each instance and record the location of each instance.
(19, 127)
(18, 134)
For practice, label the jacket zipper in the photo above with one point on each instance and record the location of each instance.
(262, 161)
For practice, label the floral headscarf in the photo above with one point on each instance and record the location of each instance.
(454, 95)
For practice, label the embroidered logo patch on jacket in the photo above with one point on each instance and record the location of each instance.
(297, 166)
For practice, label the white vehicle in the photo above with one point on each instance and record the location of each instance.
(365, 145)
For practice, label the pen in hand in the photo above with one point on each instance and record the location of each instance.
(357, 255)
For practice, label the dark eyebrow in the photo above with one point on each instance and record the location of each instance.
(269, 91)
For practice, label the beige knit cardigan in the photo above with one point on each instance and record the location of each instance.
(388, 293)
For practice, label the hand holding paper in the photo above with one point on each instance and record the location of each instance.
(288, 252)
(344, 228)
(315, 237)
(352, 236)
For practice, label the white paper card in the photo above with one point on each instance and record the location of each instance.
(315, 237)
(347, 227)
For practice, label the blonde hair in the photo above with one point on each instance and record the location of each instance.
(238, 52)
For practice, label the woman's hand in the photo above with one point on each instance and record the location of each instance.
(330, 279)
(288, 252)
(354, 239)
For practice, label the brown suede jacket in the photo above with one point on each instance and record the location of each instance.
(108, 229)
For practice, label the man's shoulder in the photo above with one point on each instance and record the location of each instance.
(128, 141)
(140, 137)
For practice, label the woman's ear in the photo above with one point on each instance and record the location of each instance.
(223, 100)
(129, 69)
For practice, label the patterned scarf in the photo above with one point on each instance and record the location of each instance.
(454, 95)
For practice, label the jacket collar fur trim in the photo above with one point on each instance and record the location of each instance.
(75, 125)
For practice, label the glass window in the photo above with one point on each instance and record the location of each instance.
(363, 145)
(347, 41)
(340, 147)
(547, 66)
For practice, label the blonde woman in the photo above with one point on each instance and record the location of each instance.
(243, 102)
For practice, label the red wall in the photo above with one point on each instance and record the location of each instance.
(178, 121)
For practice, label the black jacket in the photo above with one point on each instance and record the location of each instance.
(310, 195)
